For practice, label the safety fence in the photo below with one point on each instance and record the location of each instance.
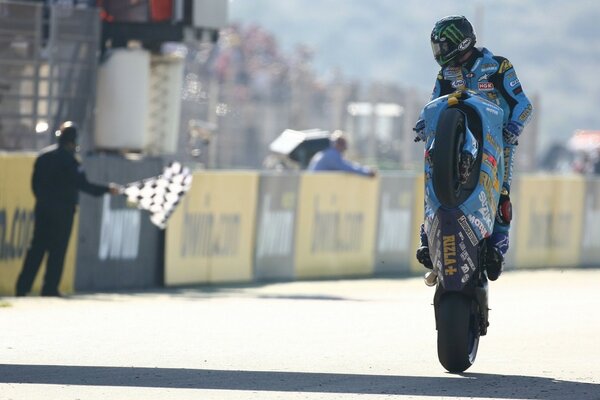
(249, 226)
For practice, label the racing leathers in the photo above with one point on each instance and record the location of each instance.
(495, 78)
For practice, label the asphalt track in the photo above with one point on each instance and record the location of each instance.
(347, 339)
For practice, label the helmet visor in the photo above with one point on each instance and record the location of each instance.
(442, 52)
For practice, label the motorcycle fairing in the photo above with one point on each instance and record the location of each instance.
(480, 207)
(453, 248)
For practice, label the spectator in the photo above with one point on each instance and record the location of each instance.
(332, 158)
(57, 178)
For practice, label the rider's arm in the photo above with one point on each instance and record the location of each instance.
(332, 160)
(442, 86)
(511, 90)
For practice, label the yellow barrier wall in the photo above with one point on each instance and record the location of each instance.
(548, 218)
(337, 217)
(418, 217)
(210, 237)
(16, 225)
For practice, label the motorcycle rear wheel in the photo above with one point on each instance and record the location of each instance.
(458, 335)
(449, 139)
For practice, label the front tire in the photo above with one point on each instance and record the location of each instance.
(449, 139)
(458, 334)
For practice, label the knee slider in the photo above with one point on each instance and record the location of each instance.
(504, 214)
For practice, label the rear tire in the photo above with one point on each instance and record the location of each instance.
(449, 139)
(458, 334)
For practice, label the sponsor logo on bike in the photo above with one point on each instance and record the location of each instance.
(458, 83)
(492, 111)
(514, 83)
(488, 183)
(484, 210)
(490, 160)
(485, 86)
(490, 139)
(462, 221)
(476, 222)
(449, 243)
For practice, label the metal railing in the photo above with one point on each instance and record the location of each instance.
(48, 61)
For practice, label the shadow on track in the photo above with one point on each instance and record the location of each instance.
(466, 385)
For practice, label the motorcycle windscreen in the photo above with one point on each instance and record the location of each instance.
(453, 247)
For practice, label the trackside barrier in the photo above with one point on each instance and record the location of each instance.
(210, 237)
(118, 246)
(548, 221)
(418, 217)
(396, 234)
(337, 218)
(245, 226)
(276, 227)
(17, 221)
(590, 243)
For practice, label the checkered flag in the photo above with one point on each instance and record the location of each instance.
(161, 194)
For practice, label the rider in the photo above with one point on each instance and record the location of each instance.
(465, 66)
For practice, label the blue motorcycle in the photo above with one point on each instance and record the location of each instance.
(464, 168)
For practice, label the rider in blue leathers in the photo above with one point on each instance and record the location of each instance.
(465, 66)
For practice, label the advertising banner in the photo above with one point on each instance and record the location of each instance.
(567, 214)
(119, 247)
(395, 232)
(276, 227)
(590, 242)
(337, 218)
(418, 216)
(16, 225)
(548, 218)
(210, 237)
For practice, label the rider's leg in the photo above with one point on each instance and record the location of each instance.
(498, 242)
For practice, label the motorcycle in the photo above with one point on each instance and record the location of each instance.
(464, 168)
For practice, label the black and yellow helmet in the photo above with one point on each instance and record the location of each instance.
(451, 37)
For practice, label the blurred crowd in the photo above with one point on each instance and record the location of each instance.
(259, 89)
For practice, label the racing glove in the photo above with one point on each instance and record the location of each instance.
(511, 133)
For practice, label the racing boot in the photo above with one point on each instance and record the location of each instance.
(424, 258)
(494, 260)
(423, 251)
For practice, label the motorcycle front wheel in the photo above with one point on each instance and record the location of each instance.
(449, 139)
(458, 334)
